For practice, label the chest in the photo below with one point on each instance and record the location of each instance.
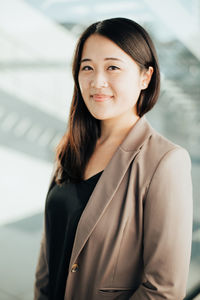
(99, 159)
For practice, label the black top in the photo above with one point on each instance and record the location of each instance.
(63, 210)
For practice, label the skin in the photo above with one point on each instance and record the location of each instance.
(121, 80)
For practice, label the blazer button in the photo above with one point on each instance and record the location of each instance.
(75, 268)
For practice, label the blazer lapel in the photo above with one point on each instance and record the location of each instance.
(108, 183)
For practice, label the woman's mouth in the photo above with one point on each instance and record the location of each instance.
(101, 97)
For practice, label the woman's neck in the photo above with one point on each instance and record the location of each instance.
(113, 130)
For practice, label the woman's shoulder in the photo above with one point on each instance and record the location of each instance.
(160, 144)
(158, 148)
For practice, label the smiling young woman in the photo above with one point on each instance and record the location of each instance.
(118, 212)
(110, 82)
(132, 44)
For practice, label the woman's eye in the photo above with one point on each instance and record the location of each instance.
(114, 67)
(86, 68)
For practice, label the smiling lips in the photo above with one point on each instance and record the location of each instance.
(101, 97)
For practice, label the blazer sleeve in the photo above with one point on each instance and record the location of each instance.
(41, 284)
(168, 214)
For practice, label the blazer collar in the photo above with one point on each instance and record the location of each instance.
(109, 182)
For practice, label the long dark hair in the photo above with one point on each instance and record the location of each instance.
(83, 130)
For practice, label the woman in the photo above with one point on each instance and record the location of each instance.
(118, 213)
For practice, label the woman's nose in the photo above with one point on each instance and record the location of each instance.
(99, 81)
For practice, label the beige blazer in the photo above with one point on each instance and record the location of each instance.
(133, 240)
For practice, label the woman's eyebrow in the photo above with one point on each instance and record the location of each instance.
(107, 58)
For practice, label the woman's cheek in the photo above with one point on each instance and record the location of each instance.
(82, 85)
(86, 82)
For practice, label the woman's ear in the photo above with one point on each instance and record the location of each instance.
(146, 77)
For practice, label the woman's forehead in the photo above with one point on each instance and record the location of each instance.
(97, 46)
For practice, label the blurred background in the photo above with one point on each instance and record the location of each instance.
(37, 40)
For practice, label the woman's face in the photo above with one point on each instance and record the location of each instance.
(110, 81)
